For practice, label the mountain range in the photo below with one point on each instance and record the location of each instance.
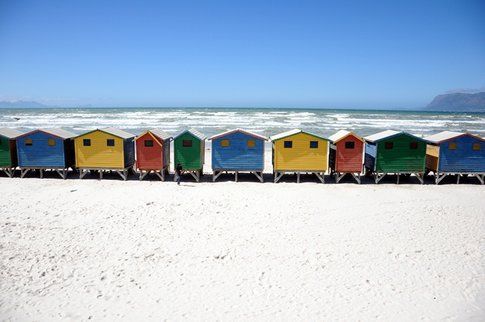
(458, 102)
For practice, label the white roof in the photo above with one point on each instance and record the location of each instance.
(117, 132)
(161, 134)
(257, 136)
(342, 134)
(10, 133)
(194, 132)
(59, 132)
(293, 132)
(381, 135)
(442, 136)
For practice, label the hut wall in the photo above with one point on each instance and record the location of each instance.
(432, 155)
(129, 152)
(191, 158)
(148, 158)
(370, 156)
(238, 156)
(5, 152)
(463, 158)
(99, 154)
(349, 160)
(401, 158)
(40, 153)
(300, 156)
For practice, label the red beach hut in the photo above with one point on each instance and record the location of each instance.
(153, 153)
(346, 155)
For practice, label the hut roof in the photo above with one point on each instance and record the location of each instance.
(257, 136)
(194, 132)
(10, 133)
(161, 134)
(113, 131)
(341, 135)
(60, 133)
(388, 134)
(293, 132)
(448, 135)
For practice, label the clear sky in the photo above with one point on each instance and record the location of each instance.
(240, 53)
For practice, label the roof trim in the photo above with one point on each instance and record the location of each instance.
(286, 134)
(257, 136)
(458, 135)
(398, 133)
(49, 133)
(193, 132)
(342, 134)
(107, 132)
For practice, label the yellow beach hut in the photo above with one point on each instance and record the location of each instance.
(297, 151)
(107, 149)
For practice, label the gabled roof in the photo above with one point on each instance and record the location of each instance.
(291, 133)
(341, 135)
(257, 136)
(161, 134)
(387, 135)
(60, 133)
(448, 135)
(194, 132)
(10, 133)
(111, 130)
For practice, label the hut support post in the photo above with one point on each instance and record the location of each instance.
(8, 171)
(195, 175)
(100, 174)
(320, 177)
(41, 173)
(277, 176)
(259, 175)
(481, 178)
(339, 177)
(420, 177)
(236, 175)
(123, 174)
(397, 178)
(62, 173)
(23, 172)
(298, 177)
(161, 174)
(143, 175)
(458, 178)
(439, 178)
(215, 175)
(356, 177)
(379, 177)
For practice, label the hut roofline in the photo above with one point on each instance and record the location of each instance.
(60, 133)
(342, 134)
(257, 136)
(445, 136)
(384, 135)
(110, 130)
(159, 134)
(294, 132)
(194, 132)
(10, 133)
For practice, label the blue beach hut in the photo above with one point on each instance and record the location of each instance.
(454, 153)
(238, 151)
(43, 149)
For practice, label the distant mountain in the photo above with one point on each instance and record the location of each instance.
(21, 104)
(458, 102)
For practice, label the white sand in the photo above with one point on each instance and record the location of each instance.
(105, 250)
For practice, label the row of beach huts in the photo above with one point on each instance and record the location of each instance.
(235, 151)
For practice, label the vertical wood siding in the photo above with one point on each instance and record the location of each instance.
(40, 154)
(5, 152)
(401, 158)
(149, 158)
(349, 160)
(300, 156)
(464, 158)
(191, 158)
(99, 155)
(238, 156)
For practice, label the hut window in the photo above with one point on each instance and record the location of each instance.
(225, 143)
(28, 142)
(452, 146)
(313, 144)
(389, 145)
(288, 144)
(349, 144)
(476, 147)
(251, 144)
(413, 145)
(148, 143)
(51, 142)
(187, 143)
(110, 142)
(86, 142)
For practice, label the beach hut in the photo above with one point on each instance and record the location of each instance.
(297, 151)
(454, 153)
(107, 149)
(153, 153)
(45, 149)
(346, 155)
(8, 150)
(394, 152)
(189, 152)
(238, 151)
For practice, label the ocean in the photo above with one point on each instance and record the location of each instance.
(265, 121)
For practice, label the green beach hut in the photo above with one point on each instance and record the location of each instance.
(394, 152)
(8, 150)
(189, 152)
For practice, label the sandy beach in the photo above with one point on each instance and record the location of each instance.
(105, 250)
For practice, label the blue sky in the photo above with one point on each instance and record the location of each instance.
(356, 54)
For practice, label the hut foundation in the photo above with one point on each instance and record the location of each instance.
(196, 174)
(8, 171)
(339, 176)
(160, 173)
(279, 174)
(123, 173)
(61, 171)
(379, 176)
(216, 174)
(439, 176)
